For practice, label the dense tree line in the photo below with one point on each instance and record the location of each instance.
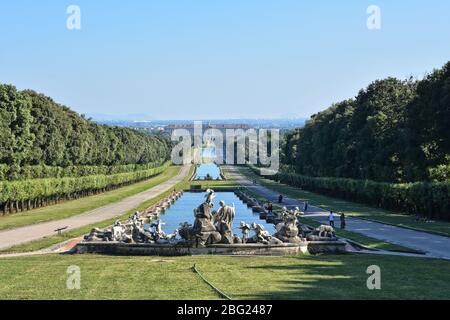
(37, 133)
(392, 131)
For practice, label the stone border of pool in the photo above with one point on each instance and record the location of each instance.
(146, 249)
(222, 175)
(184, 249)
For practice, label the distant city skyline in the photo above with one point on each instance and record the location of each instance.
(219, 59)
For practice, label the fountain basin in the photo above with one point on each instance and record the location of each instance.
(147, 249)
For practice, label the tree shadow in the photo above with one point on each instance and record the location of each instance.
(315, 278)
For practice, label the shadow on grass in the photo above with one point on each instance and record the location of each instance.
(345, 277)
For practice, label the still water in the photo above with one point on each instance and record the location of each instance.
(209, 152)
(208, 168)
(183, 211)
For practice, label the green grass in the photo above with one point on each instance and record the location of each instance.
(356, 237)
(75, 207)
(299, 277)
(351, 208)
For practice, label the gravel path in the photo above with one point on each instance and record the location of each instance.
(9, 238)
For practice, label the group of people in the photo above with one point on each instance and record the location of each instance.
(341, 217)
(331, 216)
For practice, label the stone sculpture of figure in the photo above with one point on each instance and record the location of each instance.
(118, 230)
(203, 231)
(204, 228)
(223, 221)
(99, 235)
(210, 195)
(157, 231)
(245, 228)
(225, 213)
(287, 231)
(185, 231)
(322, 233)
(262, 236)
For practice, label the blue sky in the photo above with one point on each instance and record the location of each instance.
(181, 59)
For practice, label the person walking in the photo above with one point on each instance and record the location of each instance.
(331, 219)
(305, 206)
(342, 220)
(280, 198)
(269, 207)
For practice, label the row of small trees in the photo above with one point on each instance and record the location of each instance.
(16, 196)
(28, 172)
(430, 199)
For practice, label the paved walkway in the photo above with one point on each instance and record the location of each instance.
(9, 238)
(433, 245)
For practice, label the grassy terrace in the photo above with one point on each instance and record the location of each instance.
(300, 277)
(75, 207)
(352, 209)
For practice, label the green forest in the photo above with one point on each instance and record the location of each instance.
(49, 153)
(388, 147)
(392, 131)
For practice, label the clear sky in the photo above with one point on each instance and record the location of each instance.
(187, 59)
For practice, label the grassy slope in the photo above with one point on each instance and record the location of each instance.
(354, 209)
(301, 277)
(75, 207)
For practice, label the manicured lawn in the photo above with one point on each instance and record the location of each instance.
(352, 208)
(299, 277)
(75, 207)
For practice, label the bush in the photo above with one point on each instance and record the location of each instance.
(28, 194)
(29, 172)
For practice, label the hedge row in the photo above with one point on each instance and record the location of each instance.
(28, 194)
(422, 198)
(28, 172)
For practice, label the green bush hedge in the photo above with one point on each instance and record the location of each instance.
(423, 198)
(28, 194)
(29, 172)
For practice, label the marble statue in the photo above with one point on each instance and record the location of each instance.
(322, 233)
(132, 231)
(262, 235)
(210, 227)
(223, 221)
(245, 228)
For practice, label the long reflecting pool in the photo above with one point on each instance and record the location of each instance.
(183, 211)
(208, 168)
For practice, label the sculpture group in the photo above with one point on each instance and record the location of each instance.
(210, 227)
